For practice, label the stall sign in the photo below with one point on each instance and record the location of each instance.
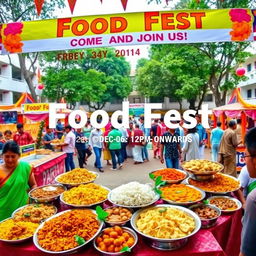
(136, 109)
(35, 108)
(157, 27)
(8, 117)
(240, 162)
(27, 150)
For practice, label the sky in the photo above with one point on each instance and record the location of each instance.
(94, 7)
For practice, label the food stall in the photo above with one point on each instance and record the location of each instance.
(237, 107)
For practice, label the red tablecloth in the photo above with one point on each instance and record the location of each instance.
(220, 240)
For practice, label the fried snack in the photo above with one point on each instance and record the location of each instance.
(202, 165)
(114, 239)
(169, 174)
(224, 204)
(85, 194)
(12, 230)
(77, 176)
(166, 223)
(118, 214)
(180, 193)
(59, 234)
(205, 212)
(47, 192)
(221, 183)
(34, 213)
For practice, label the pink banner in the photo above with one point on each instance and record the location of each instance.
(233, 113)
(251, 114)
(46, 173)
(37, 117)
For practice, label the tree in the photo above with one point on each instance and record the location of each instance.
(94, 81)
(24, 10)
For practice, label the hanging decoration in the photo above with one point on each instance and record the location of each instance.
(72, 4)
(124, 3)
(240, 71)
(40, 87)
(39, 6)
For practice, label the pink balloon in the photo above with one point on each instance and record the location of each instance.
(40, 87)
(240, 71)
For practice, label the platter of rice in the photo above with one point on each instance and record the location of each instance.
(133, 195)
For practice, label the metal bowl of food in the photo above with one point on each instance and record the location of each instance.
(208, 214)
(7, 236)
(169, 178)
(150, 220)
(225, 203)
(133, 198)
(75, 184)
(59, 234)
(35, 213)
(219, 187)
(118, 215)
(201, 195)
(115, 246)
(46, 193)
(62, 199)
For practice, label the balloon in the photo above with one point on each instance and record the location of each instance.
(40, 87)
(240, 71)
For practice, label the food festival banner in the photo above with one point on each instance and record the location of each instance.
(165, 27)
(35, 108)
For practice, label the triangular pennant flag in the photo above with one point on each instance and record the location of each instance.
(124, 3)
(72, 4)
(101, 1)
(39, 6)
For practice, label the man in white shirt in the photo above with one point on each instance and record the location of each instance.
(69, 148)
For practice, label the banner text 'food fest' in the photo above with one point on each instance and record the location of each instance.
(190, 26)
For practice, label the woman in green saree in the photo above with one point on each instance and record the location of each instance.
(16, 179)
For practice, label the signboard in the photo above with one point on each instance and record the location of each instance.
(27, 150)
(240, 162)
(165, 27)
(136, 109)
(35, 108)
(8, 117)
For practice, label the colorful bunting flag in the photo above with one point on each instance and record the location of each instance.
(72, 4)
(124, 3)
(39, 6)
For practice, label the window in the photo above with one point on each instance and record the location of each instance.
(137, 100)
(208, 97)
(251, 76)
(249, 94)
(16, 73)
(156, 99)
(255, 65)
(249, 67)
(255, 93)
(16, 96)
(1, 97)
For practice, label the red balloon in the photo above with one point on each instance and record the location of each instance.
(240, 71)
(40, 87)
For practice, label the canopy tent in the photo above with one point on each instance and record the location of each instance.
(24, 98)
(236, 107)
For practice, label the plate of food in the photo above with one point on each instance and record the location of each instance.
(76, 177)
(225, 203)
(133, 195)
(12, 231)
(35, 213)
(221, 184)
(118, 215)
(167, 227)
(181, 194)
(46, 193)
(52, 236)
(171, 175)
(202, 167)
(85, 195)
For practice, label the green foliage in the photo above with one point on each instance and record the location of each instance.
(39, 135)
(94, 81)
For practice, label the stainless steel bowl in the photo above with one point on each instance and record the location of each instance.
(16, 211)
(167, 244)
(157, 197)
(238, 203)
(128, 230)
(18, 241)
(207, 223)
(120, 223)
(83, 206)
(174, 181)
(46, 199)
(189, 202)
(73, 250)
(75, 184)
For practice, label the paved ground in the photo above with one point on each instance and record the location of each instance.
(129, 172)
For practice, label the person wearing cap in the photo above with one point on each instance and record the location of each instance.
(21, 137)
(227, 150)
(69, 148)
(48, 138)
